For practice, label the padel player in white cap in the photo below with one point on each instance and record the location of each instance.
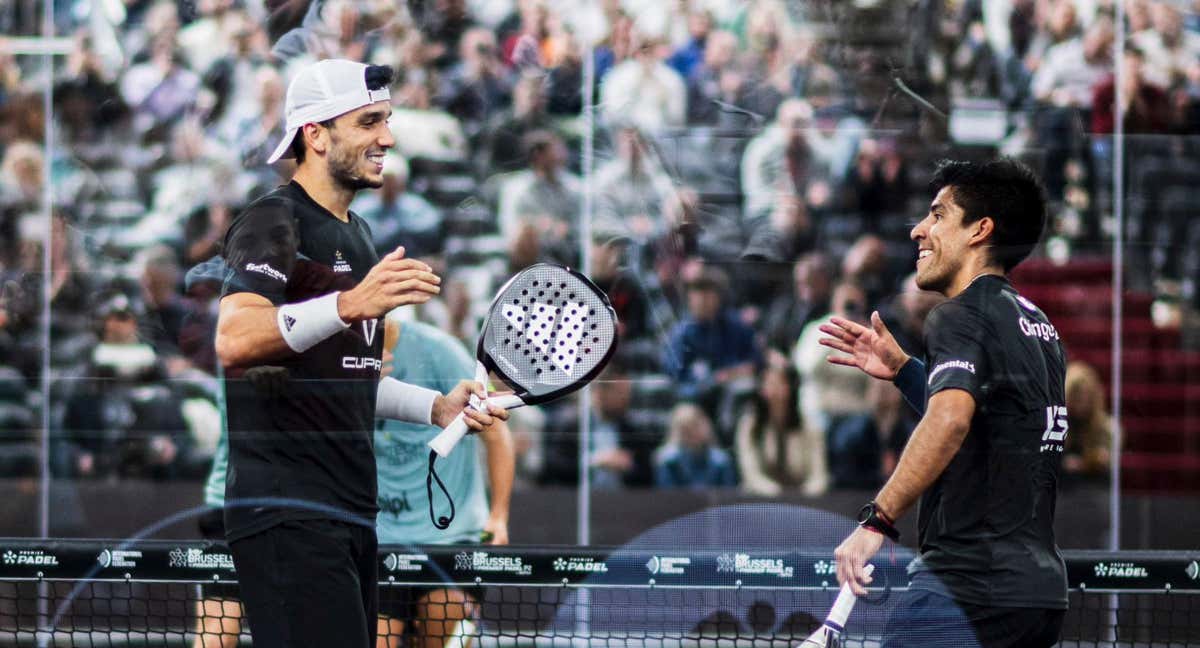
(304, 300)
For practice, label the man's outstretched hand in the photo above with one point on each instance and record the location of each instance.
(873, 350)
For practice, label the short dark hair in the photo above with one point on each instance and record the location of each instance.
(1004, 190)
(375, 76)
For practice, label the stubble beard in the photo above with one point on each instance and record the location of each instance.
(343, 168)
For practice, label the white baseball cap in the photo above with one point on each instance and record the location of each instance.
(321, 91)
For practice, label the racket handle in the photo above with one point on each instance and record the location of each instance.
(443, 444)
(445, 441)
(845, 602)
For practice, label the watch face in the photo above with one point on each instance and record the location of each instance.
(864, 513)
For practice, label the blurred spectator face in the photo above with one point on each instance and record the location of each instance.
(794, 117)
(606, 258)
(271, 91)
(550, 156)
(120, 327)
(22, 170)
(1097, 42)
(1131, 67)
(850, 302)
(1137, 12)
(775, 388)
(1168, 21)
(529, 96)
(478, 47)
(690, 427)
(813, 278)
(188, 143)
(622, 37)
(1062, 19)
(699, 25)
(612, 396)
(704, 302)
(162, 19)
(868, 256)
(1085, 392)
(720, 49)
(160, 276)
(916, 304)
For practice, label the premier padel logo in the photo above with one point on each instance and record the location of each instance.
(33, 557)
(825, 568)
(401, 562)
(339, 262)
(584, 564)
(1120, 570)
(555, 333)
(740, 563)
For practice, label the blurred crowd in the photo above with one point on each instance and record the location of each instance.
(754, 171)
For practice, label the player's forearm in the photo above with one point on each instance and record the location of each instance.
(502, 465)
(929, 450)
(248, 335)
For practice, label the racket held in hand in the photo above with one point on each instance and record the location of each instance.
(829, 635)
(548, 332)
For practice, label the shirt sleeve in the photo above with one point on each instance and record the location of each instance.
(956, 356)
(260, 252)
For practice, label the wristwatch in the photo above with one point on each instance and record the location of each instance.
(870, 517)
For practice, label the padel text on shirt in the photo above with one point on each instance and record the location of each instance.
(986, 525)
(300, 428)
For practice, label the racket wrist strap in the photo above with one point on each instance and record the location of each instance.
(404, 402)
(306, 324)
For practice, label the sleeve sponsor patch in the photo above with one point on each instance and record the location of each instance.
(951, 364)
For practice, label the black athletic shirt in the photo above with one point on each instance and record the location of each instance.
(986, 526)
(301, 428)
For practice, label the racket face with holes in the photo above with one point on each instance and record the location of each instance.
(549, 331)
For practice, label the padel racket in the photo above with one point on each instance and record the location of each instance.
(829, 635)
(548, 332)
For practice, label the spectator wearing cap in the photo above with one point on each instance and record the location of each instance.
(398, 216)
(123, 420)
(710, 354)
(644, 91)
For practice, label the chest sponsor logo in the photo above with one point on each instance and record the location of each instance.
(403, 562)
(482, 561)
(118, 558)
(394, 505)
(740, 563)
(1054, 438)
(265, 268)
(1120, 570)
(193, 558)
(32, 557)
(585, 565)
(339, 262)
(1040, 330)
(667, 564)
(368, 329)
(951, 364)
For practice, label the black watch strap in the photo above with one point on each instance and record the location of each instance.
(869, 517)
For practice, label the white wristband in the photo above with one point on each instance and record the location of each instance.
(404, 402)
(307, 323)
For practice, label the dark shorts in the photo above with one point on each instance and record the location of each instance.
(309, 583)
(928, 620)
(212, 527)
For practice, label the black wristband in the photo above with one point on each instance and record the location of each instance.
(910, 380)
